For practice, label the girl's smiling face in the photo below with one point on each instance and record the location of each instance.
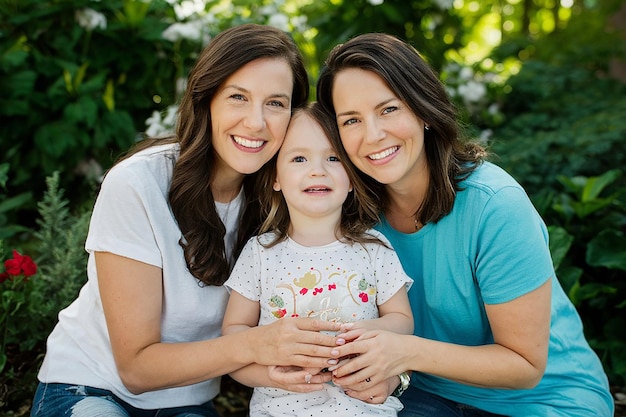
(309, 173)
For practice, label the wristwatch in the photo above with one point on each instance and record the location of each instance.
(405, 380)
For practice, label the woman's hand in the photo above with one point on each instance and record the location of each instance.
(294, 342)
(376, 356)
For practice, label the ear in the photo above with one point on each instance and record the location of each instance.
(350, 189)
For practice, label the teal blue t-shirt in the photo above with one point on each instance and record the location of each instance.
(490, 249)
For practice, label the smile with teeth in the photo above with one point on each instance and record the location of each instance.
(317, 190)
(248, 143)
(383, 154)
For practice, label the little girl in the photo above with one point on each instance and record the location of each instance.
(316, 256)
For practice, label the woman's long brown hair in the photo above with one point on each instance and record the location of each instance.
(450, 158)
(190, 194)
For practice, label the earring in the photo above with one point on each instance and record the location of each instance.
(426, 127)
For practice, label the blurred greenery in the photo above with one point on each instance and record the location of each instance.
(82, 80)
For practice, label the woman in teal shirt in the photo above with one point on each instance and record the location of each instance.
(495, 334)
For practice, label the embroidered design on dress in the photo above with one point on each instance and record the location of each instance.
(314, 284)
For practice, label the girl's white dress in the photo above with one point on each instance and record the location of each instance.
(338, 282)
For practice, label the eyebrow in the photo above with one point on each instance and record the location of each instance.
(245, 90)
(379, 105)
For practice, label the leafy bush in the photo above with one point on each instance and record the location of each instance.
(560, 121)
(588, 245)
(58, 251)
(562, 138)
(79, 78)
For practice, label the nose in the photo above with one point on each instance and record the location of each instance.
(254, 119)
(374, 131)
(317, 169)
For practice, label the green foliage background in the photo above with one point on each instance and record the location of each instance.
(73, 99)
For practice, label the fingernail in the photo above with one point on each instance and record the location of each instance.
(340, 341)
(334, 352)
(332, 362)
(307, 378)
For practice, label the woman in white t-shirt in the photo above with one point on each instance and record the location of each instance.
(143, 336)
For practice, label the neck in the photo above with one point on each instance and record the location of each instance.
(402, 212)
(226, 190)
(313, 231)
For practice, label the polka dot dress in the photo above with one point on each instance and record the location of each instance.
(337, 282)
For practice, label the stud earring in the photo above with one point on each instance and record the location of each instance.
(426, 127)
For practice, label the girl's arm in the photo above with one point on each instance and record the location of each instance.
(132, 293)
(395, 316)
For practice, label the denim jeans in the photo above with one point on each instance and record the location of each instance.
(55, 400)
(418, 403)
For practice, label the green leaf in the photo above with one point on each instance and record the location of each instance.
(569, 277)
(15, 202)
(593, 290)
(56, 137)
(595, 185)
(560, 242)
(585, 208)
(22, 83)
(84, 110)
(607, 249)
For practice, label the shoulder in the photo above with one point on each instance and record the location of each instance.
(378, 235)
(154, 164)
(489, 178)
(490, 185)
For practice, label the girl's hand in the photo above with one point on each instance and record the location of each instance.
(294, 378)
(375, 393)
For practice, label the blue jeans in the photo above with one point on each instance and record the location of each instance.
(55, 400)
(418, 403)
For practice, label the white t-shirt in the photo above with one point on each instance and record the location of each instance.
(337, 282)
(132, 218)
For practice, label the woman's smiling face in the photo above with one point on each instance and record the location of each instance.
(381, 134)
(250, 113)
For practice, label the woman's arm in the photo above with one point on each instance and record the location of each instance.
(515, 360)
(132, 292)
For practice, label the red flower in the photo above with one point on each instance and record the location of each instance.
(19, 265)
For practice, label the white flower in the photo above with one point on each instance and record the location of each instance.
(493, 109)
(170, 116)
(178, 31)
(158, 125)
(472, 92)
(279, 21)
(299, 23)
(90, 169)
(375, 2)
(466, 73)
(90, 19)
(187, 8)
(484, 136)
(444, 4)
